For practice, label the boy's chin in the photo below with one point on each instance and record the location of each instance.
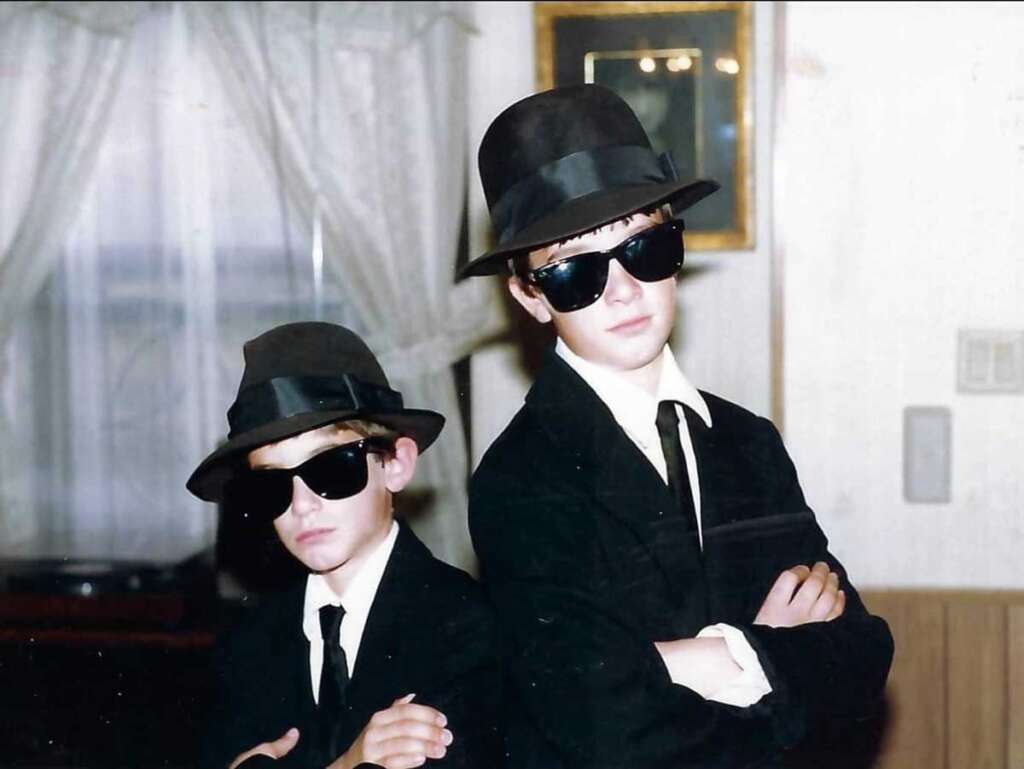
(323, 565)
(634, 354)
(635, 362)
(322, 562)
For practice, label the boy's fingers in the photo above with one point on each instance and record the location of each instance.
(785, 584)
(283, 744)
(405, 761)
(417, 729)
(831, 584)
(809, 591)
(398, 746)
(825, 602)
(275, 749)
(424, 713)
(800, 571)
(838, 608)
(411, 711)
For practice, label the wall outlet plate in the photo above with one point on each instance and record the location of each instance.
(927, 454)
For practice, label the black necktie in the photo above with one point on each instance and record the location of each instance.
(333, 678)
(675, 461)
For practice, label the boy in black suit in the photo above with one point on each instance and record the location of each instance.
(381, 654)
(668, 594)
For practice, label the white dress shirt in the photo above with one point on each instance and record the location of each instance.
(636, 411)
(357, 600)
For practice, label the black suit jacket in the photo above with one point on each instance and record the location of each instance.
(588, 561)
(429, 632)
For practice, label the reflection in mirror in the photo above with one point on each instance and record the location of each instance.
(684, 68)
(663, 88)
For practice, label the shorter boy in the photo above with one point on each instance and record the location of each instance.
(382, 654)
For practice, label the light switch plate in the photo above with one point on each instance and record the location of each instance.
(927, 454)
(990, 361)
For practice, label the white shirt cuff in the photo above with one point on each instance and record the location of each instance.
(751, 684)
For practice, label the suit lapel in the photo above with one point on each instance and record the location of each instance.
(291, 661)
(291, 644)
(622, 481)
(579, 421)
(381, 665)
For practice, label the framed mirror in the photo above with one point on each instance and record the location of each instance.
(684, 68)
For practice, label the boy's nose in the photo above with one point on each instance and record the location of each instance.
(621, 286)
(304, 499)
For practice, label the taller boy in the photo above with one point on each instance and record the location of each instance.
(668, 595)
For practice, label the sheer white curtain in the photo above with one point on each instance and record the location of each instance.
(245, 142)
(361, 107)
(122, 366)
(59, 69)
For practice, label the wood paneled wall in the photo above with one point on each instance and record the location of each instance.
(956, 690)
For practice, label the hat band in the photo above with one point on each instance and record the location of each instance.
(575, 176)
(288, 396)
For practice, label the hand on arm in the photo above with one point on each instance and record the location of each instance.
(706, 665)
(801, 595)
(399, 737)
(276, 749)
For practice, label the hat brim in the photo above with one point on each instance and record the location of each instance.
(588, 213)
(210, 478)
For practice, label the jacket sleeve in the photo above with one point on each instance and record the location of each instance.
(470, 695)
(823, 670)
(229, 729)
(249, 704)
(595, 689)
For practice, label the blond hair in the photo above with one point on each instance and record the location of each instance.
(369, 429)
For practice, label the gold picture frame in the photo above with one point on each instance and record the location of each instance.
(685, 68)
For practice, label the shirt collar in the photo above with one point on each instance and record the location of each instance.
(358, 595)
(631, 406)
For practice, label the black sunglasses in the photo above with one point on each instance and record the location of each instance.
(336, 473)
(579, 280)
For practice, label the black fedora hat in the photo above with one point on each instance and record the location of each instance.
(300, 376)
(565, 161)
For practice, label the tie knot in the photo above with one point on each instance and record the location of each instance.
(668, 418)
(330, 622)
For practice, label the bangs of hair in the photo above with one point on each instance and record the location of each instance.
(519, 264)
(368, 429)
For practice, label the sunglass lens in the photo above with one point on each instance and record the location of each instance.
(337, 473)
(333, 474)
(655, 255)
(261, 495)
(575, 282)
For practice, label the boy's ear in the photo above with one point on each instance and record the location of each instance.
(530, 300)
(399, 468)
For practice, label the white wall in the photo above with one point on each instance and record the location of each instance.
(900, 167)
(501, 71)
(902, 147)
(723, 335)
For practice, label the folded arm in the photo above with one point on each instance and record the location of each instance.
(708, 664)
(589, 682)
(820, 670)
